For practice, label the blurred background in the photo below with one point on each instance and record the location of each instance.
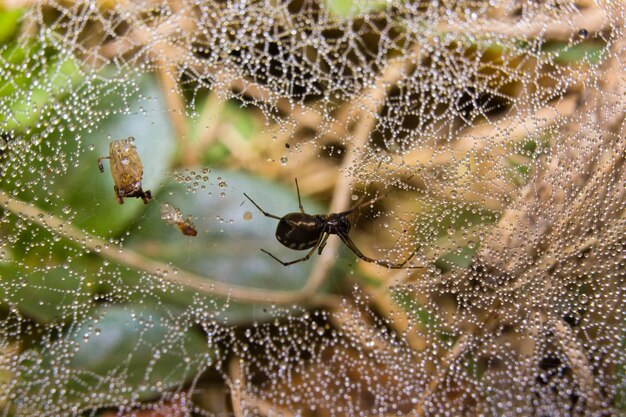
(492, 131)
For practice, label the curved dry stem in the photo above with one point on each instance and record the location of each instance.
(176, 112)
(167, 272)
(578, 361)
(237, 393)
(366, 110)
(457, 350)
(593, 19)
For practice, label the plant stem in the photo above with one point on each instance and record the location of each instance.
(125, 256)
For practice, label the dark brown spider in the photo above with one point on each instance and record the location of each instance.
(300, 231)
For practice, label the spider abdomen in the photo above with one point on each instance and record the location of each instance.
(299, 231)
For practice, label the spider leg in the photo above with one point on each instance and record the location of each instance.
(350, 244)
(100, 166)
(322, 244)
(299, 201)
(260, 209)
(322, 237)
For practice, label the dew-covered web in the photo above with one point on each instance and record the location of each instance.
(491, 135)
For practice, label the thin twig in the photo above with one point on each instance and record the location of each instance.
(176, 111)
(577, 360)
(235, 383)
(592, 19)
(167, 76)
(167, 272)
(357, 327)
(367, 111)
(455, 352)
(242, 400)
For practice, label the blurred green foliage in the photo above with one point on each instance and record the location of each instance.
(97, 305)
(139, 349)
(9, 23)
(352, 8)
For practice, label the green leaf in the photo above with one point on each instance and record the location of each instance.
(590, 51)
(39, 284)
(441, 217)
(45, 294)
(125, 339)
(52, 85)
(9, 22)
(352, 8)
(227, 247)
(122, 353)
(82, 193)
(461, 258)
(90, 194)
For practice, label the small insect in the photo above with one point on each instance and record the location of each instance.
(173, 216)
(126, 170)
(300, 231)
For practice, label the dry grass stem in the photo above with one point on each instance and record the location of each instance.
(235, 383)
(372, 100)
(577, 358)
(357, 327)
(125, 256)
(593, 19)
(401, 322)
(176, 111)
(453, 354)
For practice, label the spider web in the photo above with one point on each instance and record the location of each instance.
(494, 129)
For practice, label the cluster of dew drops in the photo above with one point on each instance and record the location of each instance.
(360, 360)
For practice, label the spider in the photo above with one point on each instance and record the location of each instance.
(300, 231)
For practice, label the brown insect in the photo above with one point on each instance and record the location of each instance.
(126, 170)
(173, 216)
